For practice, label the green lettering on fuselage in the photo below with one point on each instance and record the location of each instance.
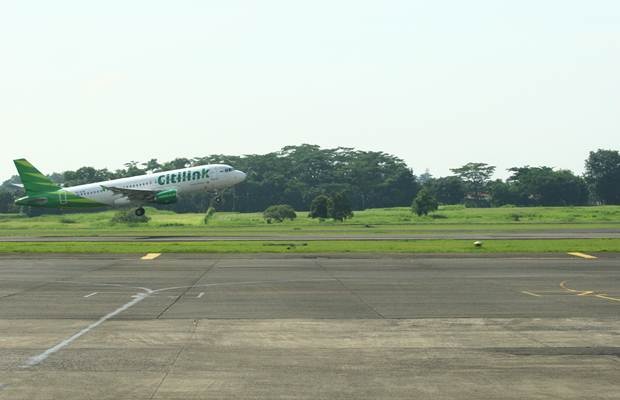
(183, 177)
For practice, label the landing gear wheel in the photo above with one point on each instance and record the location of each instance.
(218, 200)
(140, 211)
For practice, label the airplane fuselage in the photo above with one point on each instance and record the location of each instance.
(159, 187)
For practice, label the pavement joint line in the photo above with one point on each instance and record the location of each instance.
(530, 293)
(351, 292)
(176, 358)
(150, 256)
(582, 255)
(202, 275)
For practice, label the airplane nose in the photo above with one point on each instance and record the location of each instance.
(242, 175)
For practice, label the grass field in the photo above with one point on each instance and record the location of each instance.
(391, 246)
(375, 221)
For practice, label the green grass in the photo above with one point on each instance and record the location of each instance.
(391, 246)
(375, 221)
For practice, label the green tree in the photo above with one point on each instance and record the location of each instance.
(85, 175)
(424, 203)
(341, 207)
(321, 207)
(279, 213)
(447, 190)
(543, 186)
(177, 163)
(476, 176)
(133, 169)
(152, 165)
(294, 175)
(7, 199)
(502, 193)
(603, 175)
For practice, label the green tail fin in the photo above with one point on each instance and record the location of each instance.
(33, 180)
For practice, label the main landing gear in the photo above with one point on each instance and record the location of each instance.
(216, 199)
(139, 211)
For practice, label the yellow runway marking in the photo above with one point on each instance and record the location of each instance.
(150, 256)
(603, 296)
(582, 255)
(563, 286)
(530, 293)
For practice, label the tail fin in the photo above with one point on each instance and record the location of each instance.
(33, 180)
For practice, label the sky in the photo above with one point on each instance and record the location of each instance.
(436, 83)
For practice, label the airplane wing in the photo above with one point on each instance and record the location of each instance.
(134, 194)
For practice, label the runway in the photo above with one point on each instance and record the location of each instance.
(196, 326)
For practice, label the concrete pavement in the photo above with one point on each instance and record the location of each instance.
(198, 326)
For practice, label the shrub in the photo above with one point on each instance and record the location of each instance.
(337, 207)
(321, 206)
(129, 217)
(279, 213)
(210, 213)
(341, 207)
(424, 203)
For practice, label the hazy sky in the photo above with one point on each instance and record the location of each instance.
(437, 83)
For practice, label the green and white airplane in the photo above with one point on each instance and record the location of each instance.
(156, 188)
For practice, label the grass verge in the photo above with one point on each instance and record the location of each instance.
(387, 246)
(373, 221)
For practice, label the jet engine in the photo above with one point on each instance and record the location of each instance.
(166, 197)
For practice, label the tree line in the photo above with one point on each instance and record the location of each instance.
(296, 175)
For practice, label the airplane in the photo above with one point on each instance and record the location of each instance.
(156, 188)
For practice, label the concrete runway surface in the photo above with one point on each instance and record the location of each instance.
(268, 327)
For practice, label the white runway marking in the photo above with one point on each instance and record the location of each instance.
(138, 297)
(200, 295)
(92, 294)
(32, 361)
(3, 386)
(530, 293)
